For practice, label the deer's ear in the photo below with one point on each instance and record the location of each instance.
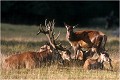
(65, 25)
(75, 26)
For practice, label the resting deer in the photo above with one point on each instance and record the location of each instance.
(86, 39)
(27, 59)
(50, 34)
(97, 63)
(66, 55)
(84, 55)
(32, 59)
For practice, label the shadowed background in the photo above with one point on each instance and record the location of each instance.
(71, 12)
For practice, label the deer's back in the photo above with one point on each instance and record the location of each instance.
(86, 38)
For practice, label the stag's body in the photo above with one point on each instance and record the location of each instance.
(27, 60)
(86, 39)
(32, 59)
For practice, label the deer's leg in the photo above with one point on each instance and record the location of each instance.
(111, 67)
(75, 52)
(101, 66)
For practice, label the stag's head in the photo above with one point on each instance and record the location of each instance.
(45, 47)
(66, 55)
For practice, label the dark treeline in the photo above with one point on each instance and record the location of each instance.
(72, 12)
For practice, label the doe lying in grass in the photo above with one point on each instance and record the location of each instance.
(97, 63)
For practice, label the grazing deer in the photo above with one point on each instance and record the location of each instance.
(85, 39)
(97, 63)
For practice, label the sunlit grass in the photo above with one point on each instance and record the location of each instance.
(54, 72)
(20, 38)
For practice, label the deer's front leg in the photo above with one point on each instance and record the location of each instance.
(111, 67)
(76, 51)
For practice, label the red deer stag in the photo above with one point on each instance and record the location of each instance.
(97, 63)
(31, 59)
(50, 34)
(89, 39)
(26, 60)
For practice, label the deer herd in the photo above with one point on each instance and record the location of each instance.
(85, 44)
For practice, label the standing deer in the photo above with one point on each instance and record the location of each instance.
(94, 40)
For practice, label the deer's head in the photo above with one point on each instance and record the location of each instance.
(66, 55)
(70, 32)
(104, 57)
(69, 28)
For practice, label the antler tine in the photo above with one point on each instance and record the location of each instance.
(42, 29)
(57, 36)
(46, 25)
(60, 47)
(39, 30)
(53, 24)
(50, 25)
(50, 41)
(45, 22)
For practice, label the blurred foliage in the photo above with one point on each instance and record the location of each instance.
(35, 12)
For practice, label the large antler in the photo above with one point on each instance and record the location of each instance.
(49, 32)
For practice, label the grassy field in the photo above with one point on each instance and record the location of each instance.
(20, 38)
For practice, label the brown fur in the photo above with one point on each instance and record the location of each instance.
(32, 59)
(83, 55)
(26, 60)
(86, 39)
(96, 63)
(44, 48)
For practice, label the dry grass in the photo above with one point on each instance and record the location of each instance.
(20, 38)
